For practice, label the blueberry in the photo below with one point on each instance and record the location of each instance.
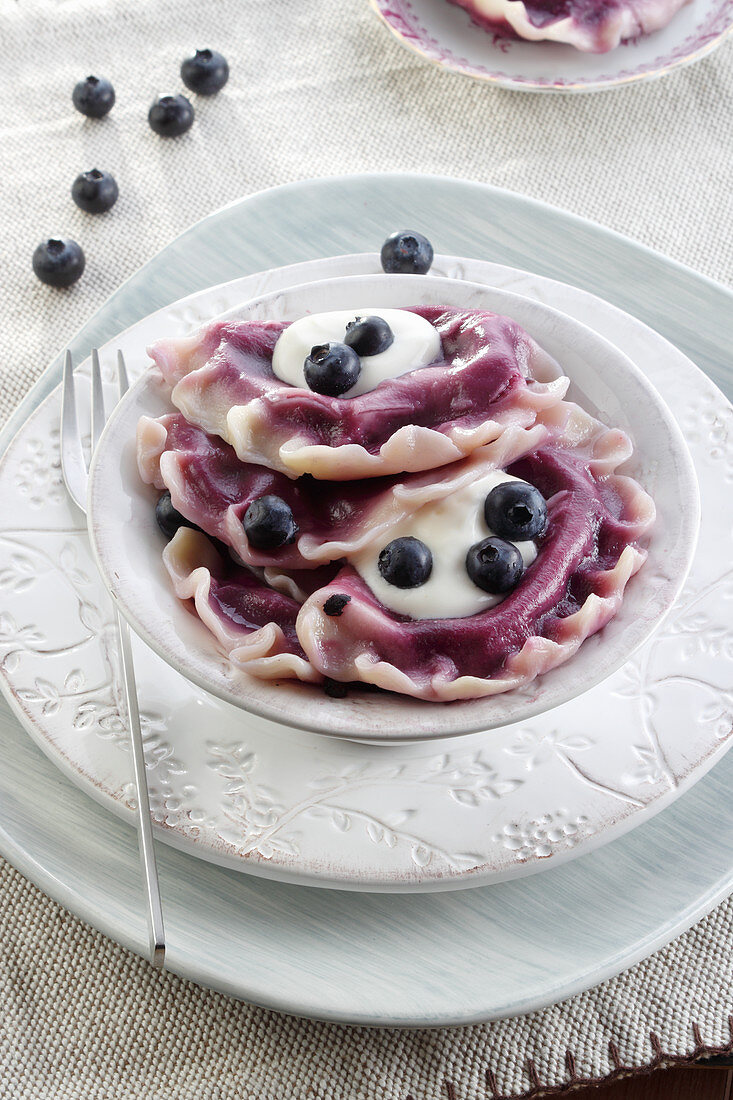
(170, 115)
(268, 523)
(94, 191)
(169, 518)
(494, 565)
(405, 562)
(94, 97)
(332, 369)
(368, 335)
(516, 510)
(58, 262)
(407, 252)
(205, 73)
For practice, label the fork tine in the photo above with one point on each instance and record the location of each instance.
(98, 414)
(123, 382)
(73, 466)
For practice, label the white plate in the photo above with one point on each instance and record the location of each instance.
(288, 805)
(362, 958)
(128, 546)
(443, 33)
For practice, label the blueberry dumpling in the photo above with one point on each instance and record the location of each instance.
(450, 381)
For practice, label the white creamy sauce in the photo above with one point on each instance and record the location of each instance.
(416, 344)
(448, 528)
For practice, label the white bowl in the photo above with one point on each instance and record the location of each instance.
(128, 545)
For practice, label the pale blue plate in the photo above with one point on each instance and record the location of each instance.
(391, 959)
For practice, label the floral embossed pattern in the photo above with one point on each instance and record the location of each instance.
(310, 809)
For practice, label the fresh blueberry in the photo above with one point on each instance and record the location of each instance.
(58, 262)
(368, 335)
(205, 73)
(405, 562)
(332, 369)
(94, 191)
(516, 510)
(494, 565)
(268, 523)
(171, 115)
(407, 253)
(94, 97)
(169, 518)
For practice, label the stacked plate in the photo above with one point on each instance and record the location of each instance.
(382, 794)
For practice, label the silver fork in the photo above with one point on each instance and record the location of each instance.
(74, 469)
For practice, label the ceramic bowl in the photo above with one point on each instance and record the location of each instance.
(128, 545)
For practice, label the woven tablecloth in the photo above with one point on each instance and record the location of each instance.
(316, 89)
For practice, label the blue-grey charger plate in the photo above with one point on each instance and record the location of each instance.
(385, 959)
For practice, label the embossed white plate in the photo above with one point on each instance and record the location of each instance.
(128, 545)
(244, 792)
(386, 959)
(445, 34)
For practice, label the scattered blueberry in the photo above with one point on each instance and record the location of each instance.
(94, 97)
(169, 518)
(335, 604)
(58, 262)
(494, 565)
(407, 252)
(332, 369)
(171, 115)
(94, 191)
(368, 335)
(268, 523)
(205, 73)
(405, 562)
(516, 510)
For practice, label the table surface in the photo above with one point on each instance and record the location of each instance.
(687, 1083)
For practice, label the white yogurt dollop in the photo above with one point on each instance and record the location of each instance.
(416, 344)
(448, 527)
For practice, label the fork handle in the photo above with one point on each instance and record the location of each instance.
(156, 931)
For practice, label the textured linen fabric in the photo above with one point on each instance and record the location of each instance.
(316, 89)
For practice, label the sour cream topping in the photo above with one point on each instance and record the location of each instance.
(448, 527)
(416, 344)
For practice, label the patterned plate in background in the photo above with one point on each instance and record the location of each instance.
(443, 33)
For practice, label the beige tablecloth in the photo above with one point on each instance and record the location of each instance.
(316, 89)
